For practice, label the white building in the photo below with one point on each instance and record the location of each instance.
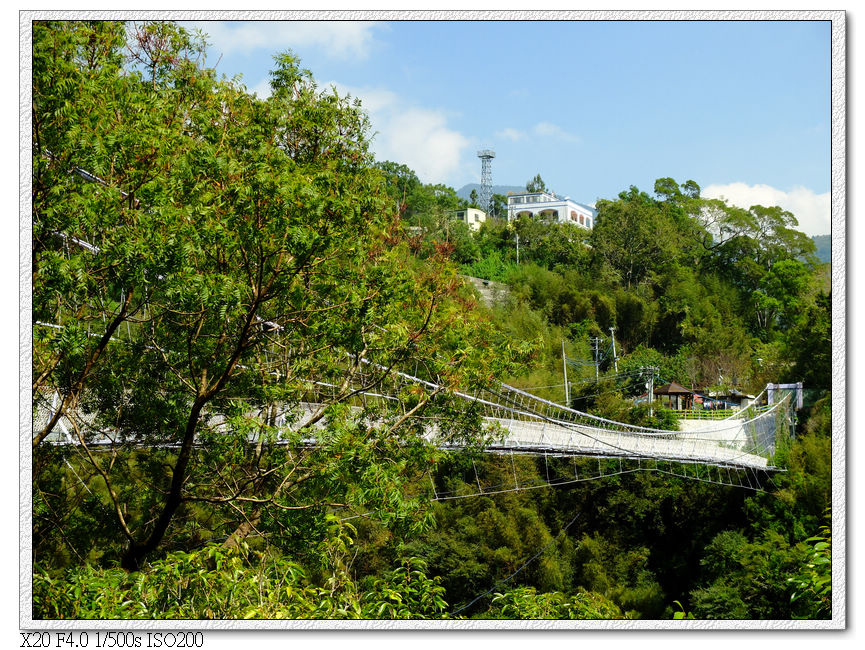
(471, 216)
(548, 206)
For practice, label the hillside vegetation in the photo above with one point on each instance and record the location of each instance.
(207, 265)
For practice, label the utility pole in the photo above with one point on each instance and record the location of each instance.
(565, 368)
(651, 389)
(615, 359)
(518, 248)
(596, 340)
(650, 385)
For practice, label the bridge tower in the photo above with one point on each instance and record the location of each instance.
(486, 194)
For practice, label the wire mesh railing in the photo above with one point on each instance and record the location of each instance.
(516, 420)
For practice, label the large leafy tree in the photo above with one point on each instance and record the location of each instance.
(217, 279)
(400, 182)
(633, 237)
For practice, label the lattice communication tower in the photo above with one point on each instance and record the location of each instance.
(486, 196)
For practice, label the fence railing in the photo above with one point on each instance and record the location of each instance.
(704, 414)
(720, 414)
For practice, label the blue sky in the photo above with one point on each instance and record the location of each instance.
(741, 107)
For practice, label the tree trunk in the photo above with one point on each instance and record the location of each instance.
(135, 554)
(243, 530)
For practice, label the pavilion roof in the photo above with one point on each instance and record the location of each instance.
(672, 389)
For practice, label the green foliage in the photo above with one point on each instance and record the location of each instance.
(681, 614)
(525, 603)
(642, 357)
(499, 206)
(478, 541)
(552, 245)
(241, 583)
(755, 581)
(633, 238)
(813, 585)
(810, 344)
(804, 491)
(778, 300)
(210, 263)
(491, 267)
(620, 574)
(536, 184)
(240, 254)
(768, 573)
(401, 183)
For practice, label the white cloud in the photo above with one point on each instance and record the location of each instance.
(553, 130)
(511, 134)
(415, 136)
(262, 89)
(421, 139)
(541, 129)
(342, 39)
(812, 211)
(374, 100)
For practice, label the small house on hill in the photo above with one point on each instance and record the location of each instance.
(472, 217)
(732, 398)
(678, 398)
(675, 396)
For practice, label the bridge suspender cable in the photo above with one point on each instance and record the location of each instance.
(525, 564)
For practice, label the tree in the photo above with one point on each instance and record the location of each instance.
(400, 182)
(552, 245)
(536, 184)
(810, 343)
(214, 285)
(813, 584)
(779, 299)
(746, 243)
(748, 578)
(668, 190)
(633, 237)
(499, 203)
(684, 206)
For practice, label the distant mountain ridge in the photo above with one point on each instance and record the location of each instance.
(466, 190)
(824, 247)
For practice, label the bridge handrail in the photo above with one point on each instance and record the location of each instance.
(619, 425)
(629, 426)
(591, 424)
(705, 414)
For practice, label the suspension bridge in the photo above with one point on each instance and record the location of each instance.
(517, 422)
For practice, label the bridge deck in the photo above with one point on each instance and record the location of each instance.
(700, 442)
(693, 446)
